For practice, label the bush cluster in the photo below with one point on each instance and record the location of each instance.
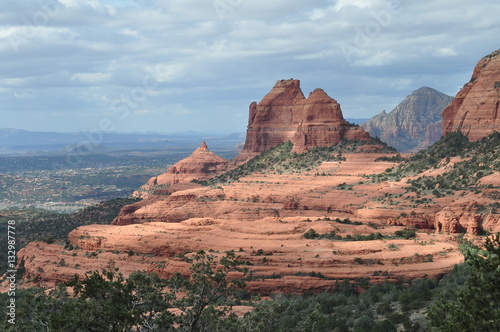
(407, 233)
(280, 160)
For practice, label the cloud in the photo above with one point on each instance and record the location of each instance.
(143, 112)
(168, 72)
(91, 78)
(445, 52)
(185, 65)
(354, 3)
(381, 58)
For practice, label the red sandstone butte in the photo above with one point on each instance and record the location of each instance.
(285, 114)
(475, 109)
(202, 164)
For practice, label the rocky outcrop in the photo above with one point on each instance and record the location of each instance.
(263, 217)
(433, 133)
(200, 165)
(414, 123)
(273, 249)
(419, 221)
(460, 217)
(285, 114)
(475, 109)
(491, 222)
(179, 206)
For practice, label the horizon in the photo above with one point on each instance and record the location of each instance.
(194, 132)
(156, 66)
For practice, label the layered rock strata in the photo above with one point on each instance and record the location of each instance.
(285, 114)
(414, 124)
(200, 165)
(475, 109)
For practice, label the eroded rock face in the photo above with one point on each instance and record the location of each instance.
(419, 221)
(433, 133)
(270, 246)
(200, 165)
(179, 206)
(491, 222)
(457, 218)
(475, 109)
(285, 114)
(413, 122)
(268, 213)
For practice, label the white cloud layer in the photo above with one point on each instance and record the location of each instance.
(196, 65)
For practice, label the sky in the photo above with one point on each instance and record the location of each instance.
(196, 65)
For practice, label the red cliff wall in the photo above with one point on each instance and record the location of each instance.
(475, 109)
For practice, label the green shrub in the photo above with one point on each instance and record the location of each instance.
(311, 234)
(407, 233)
(384, 308)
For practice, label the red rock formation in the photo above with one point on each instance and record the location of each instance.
(475, 109)
(284, 114)
(154, 247)
(491, 222)
(177, 207)
(200, 165)
(456, 218)
(420, 221)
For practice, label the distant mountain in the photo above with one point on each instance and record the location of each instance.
(414, 124)
(356, 120)
(16, 141)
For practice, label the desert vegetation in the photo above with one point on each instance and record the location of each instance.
(476, 160)
(280, 160)
(50, 227)
(401, 234)
(464, 300)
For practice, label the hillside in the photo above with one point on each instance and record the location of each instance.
(267, 218)
(340, 226)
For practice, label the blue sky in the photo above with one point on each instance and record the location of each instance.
(178, 65)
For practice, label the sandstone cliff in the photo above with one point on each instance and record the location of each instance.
(475, 109)
(200, 165)
(414, 124)
(456, 218)
(285, 114)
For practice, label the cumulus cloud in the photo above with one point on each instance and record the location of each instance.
(381, 58)
(445, 51)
